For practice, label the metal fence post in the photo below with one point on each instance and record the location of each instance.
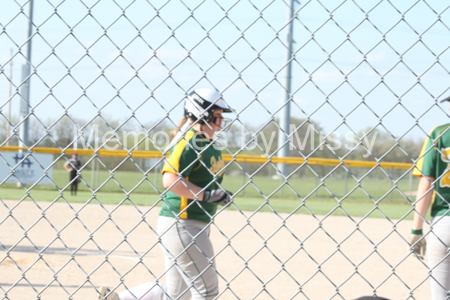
(243, 177)
(97, 174)
(346, 183)
(410, 184)
(93, 174)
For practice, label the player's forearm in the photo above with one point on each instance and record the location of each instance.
(423, 200)
(181, 187)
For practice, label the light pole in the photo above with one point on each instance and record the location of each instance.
(8, 126)
(285, 116)
(25, 88)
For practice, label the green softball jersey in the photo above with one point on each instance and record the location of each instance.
(435, 161)
(198, 161)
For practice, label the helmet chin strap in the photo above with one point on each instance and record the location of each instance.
(201, 130)
(213, 132)
(214, 119)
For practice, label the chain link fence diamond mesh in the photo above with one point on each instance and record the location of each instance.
(110, 78)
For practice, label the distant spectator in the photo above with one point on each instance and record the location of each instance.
(73, 166)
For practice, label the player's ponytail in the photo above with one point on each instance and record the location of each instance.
(174, 132)
(182, 122)
(177, 134)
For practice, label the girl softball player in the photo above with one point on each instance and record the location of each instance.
(191, 175)
(434, 187)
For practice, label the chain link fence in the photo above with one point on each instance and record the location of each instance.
(114, 75)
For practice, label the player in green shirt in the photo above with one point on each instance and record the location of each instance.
(433, 167)
(201, 166)
(192, 175)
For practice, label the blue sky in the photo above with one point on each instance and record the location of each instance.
(355, 61)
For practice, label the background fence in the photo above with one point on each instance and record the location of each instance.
(356, 80)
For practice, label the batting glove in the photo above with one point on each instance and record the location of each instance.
(219, 197)
(419, 247)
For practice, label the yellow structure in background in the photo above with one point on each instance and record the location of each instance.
(226, 157)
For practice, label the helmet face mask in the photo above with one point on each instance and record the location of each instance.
(217, 122)
(226, 124)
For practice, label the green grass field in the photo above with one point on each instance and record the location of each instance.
(113, 190)
(135, 182)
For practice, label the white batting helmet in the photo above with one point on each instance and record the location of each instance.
(200, 103)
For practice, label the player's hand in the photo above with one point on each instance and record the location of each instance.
(219, 197)
(420, 246)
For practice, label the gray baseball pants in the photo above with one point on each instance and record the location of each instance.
(188, 253)
(438, 257)
(190, 269)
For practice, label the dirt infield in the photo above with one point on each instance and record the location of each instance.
(303, 257)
